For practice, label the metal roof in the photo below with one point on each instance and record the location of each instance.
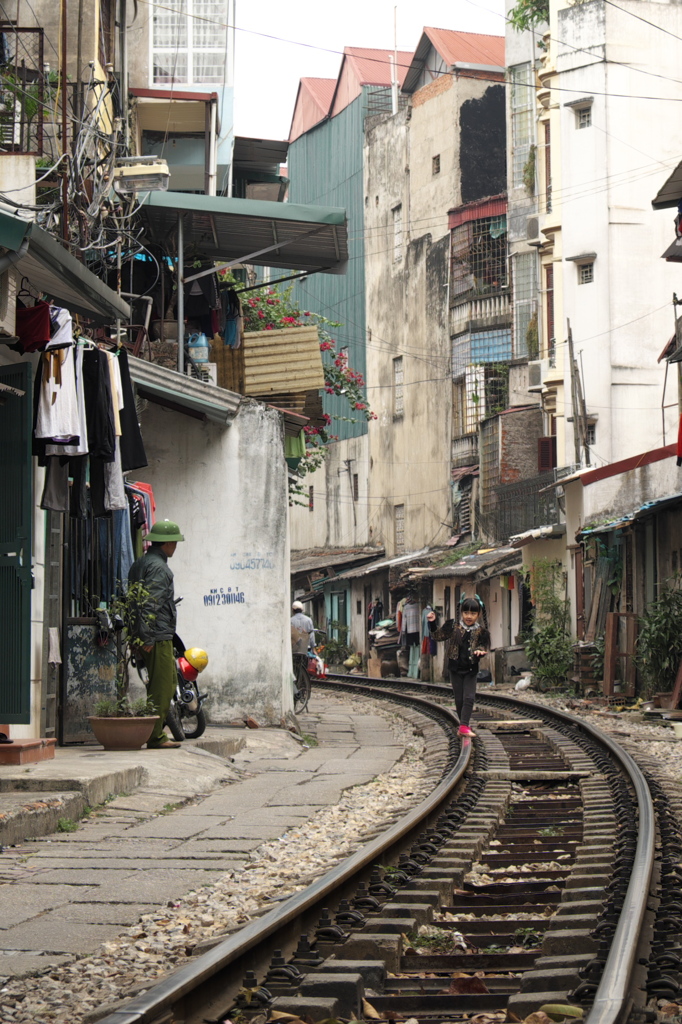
(465, 50)
(183, 393)
(382, 563)
(373, 67)
(476, 564)
(670, 193)
(259, 154)
(269, 234)
(59, 275)
(316, 560)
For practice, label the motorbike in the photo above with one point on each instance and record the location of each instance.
(186, 717)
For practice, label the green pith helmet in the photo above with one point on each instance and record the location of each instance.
(164, 531)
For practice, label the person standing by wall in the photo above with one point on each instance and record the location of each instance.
(156, 622)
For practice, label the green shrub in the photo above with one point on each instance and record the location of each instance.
(550, 653)
(659, 644)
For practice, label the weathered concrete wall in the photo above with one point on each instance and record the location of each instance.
(336, 519)
(227, 488)
(519, 431)
(407, 313)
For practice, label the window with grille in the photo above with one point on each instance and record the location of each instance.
(585, 273)
(524, 301)
(478, 257)
(311, 498)
(435, 164)
(397, 233)
(398, 393)
(189, 42)
(522, 98)
(356, 487)
(549, 307)
(583, 117)
(458, 408)
(591, 434)
(399, 528)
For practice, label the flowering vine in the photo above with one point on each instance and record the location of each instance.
(270, 309)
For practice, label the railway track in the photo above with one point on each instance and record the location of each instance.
(527, 878)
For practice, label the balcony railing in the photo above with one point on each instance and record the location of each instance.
(481, 310)
(465, 451)
(24, 89)
(520, 506)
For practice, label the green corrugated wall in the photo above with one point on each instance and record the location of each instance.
(325, 169)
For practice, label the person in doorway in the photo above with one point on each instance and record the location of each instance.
(156, 622)
(302, 630)
(467, 642)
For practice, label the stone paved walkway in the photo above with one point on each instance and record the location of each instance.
(65, 893)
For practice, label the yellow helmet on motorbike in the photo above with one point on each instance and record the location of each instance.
(197, 658)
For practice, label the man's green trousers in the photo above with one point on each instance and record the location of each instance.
(161, 686)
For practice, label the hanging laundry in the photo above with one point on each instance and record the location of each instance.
(98, 405)
(79, 447)
(133, 455)
(55, 497)
(116, 390)
(33, 327)
(61, 327)
(232, 327)
(57, 413)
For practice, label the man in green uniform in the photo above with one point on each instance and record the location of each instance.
(156, 621)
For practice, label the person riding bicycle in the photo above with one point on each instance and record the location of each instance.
(302, 630)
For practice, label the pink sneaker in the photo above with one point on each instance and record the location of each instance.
(464, 730)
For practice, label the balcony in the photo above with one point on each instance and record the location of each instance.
(465, 451)
(481, 311)
(25, 91)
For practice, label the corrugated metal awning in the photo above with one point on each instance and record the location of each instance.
(670, 193)
(287, 235)
(59, 275)
(183, 393)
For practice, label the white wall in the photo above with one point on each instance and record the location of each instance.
(336, 520)
(227, 489)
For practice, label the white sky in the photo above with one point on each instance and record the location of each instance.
(267, 70)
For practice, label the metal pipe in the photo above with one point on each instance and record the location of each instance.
(212, 149)
(13, 257)
(123, 37)
(180, 277)
(64, 81)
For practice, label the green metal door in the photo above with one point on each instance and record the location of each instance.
(15, 543)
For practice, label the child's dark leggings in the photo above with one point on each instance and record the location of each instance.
(464, 688)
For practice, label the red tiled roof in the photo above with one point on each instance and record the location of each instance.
(312, 104)
(373, 67)
(467, 47)
(321, 91)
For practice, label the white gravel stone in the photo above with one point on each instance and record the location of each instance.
(160, 941)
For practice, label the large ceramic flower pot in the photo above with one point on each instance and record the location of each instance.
(123, 733)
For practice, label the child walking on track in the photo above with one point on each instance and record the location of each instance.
(467, 641)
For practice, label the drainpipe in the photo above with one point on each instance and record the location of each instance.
(180, 276)
(11, 258)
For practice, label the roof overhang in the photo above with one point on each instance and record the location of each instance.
(305, 238)
(382, 564)
(670, 193)
(183, 112)
(649, 508)
(539, 533)
(59, 275)
(183, 394)
(480, 565)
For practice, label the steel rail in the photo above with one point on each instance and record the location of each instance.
(146, 1007)
(611, 1002)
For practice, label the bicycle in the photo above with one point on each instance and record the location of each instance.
(302, 686)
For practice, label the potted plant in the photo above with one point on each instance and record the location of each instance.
(122, 724)
(119, 723)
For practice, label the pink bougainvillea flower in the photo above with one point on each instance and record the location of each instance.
(261, 314)
(270, 302)
(269, 327)
(327, 418)
(360, 405)
(306, 313)
(326, 346)
(330, 391)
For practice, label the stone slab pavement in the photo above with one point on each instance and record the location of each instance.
(167, 821)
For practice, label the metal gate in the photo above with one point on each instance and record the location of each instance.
(16, 504)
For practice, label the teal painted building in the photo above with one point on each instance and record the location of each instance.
(325, 167)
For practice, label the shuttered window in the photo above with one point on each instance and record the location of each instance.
(546, 454)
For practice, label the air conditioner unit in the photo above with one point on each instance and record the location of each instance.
(535, 373)
(532, 228)
(8, 304)
(206, 372)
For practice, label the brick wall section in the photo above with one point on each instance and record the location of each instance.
(520, 429)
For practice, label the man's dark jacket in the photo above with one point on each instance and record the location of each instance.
(157, 618)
